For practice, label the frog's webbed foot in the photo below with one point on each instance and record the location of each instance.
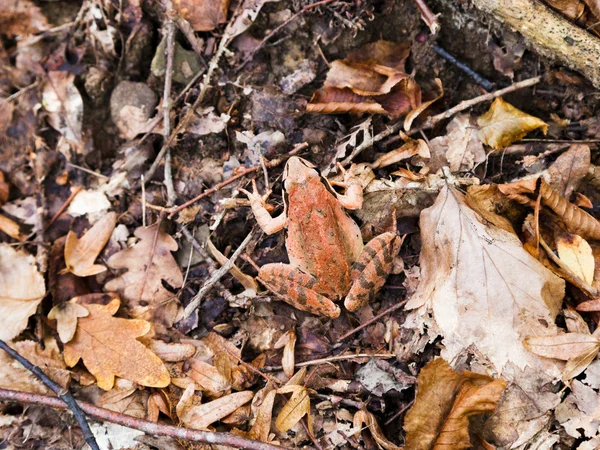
(297, 288)
(371, 269)
(258, 204)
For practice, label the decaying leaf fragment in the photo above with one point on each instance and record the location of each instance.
(372, 79)
(64, 104)
(504, 124)
(569, 169)
(109, 348)
(203, 15)
(21, 18)
(445, 401)
(576, 254)
(80, 253)
(482, 287)
(22, 288)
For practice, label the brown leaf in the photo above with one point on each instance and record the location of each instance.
(365, 417)
(203, 15)
(460, 148)
(487, 200)
(22, 288)
(569, 169)
(296, 407)
(288, 342)
(209, 378)
(411, 116)
(10, 227)
(262, 424)
(410, 148)
(504, 124)
(199, 417)
(125, 398)
(66, 315)
(108, 347)
(172, 352)
(482, 287)
(577, 255)
(64, 105)
(21, 18)
(80, 253)
(149, 263)
(445, 401)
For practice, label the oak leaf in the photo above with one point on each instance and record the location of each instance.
(80, 253)
(109, 348)
(481, 287)
(149, 264)
(504, 124)
(445, 401)
(66, 315)
(22, 288)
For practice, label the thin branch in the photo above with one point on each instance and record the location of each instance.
(170, 50)
(372, 320)
(63, 393)
(428, 16)
(479, 79)
(434, 120)
(151, 428)
(316, 362)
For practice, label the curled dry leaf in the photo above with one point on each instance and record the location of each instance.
(199, 417)
(66, 315)
(80, 253)
(262, 424)
(569, 169)
(172, 352)
(410, 148)
(370, 80)
(577, 255)
(295, 409)
(64, 105)
(208, 378)
(149, 264)
(288, 342)
(411, 116)
(368, 419)
(109, 348)
(203, 15)
(482, 287)
(504, 124)
(22, 288)
(445, 401)
(10, 227)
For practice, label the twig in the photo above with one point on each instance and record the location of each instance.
(64, 394)
(399, 413)
(278, 28)
(91, 172)
(170, 49)
(434, 120)
(479, 79)
(151, 428)
(216, 276)
(428, 16)
(372, 320)
(315, 362)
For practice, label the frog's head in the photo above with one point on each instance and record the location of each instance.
(298, 170)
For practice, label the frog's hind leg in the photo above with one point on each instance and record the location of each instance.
(371, 269)
(297, 288)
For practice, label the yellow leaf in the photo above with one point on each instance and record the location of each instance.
(80, 253)
(66, 315)
(577, 255)
(295, 408)
(22, 288)
(108, 347)
(504, 124)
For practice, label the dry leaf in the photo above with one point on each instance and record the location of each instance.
(287, 341)
(125, 398)
(66, 315)
(80, 253)
(295, 409)
(10, 227)
(64, 104)
(21, 18)
(199, 417)
(22, 288)
(172, 352)
(203, 15)
(578, 414)
(410, 148)
(445, 400)
(209, 378)
(504, 124)
(365, 417)
(247, 281)
(411, 116)
(150, 264)
(486, 200)
(577, 255)
(108, 347)
(569, 169)
(262, 424)
(482, 287)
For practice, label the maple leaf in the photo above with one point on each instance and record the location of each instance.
(445, 401)
(22, 288)
(482, 287)
(149, 264)
(108, 347)
(80, 253)
(504, 124)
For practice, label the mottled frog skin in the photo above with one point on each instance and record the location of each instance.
(327, 258)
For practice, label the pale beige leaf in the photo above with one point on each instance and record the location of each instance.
(64, 105)
(80, 253)
(288, 342)
(208, 378)
(577, 365)
(262, 425)
(172, 352)
(22, 288)
(576, 254)
(109, 348)
(66, 315)
(199, 417)
(411, 116)
(296, 407)
(10, 227)
(569, 169)
(125, 398)
(364, 417)
(479, 287)
(564, 346)
(504, 124)
(575, 323)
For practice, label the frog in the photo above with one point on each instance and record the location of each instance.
(328, 260)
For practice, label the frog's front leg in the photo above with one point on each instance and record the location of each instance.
(268, 224)
(372, 268)
(297, 288)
